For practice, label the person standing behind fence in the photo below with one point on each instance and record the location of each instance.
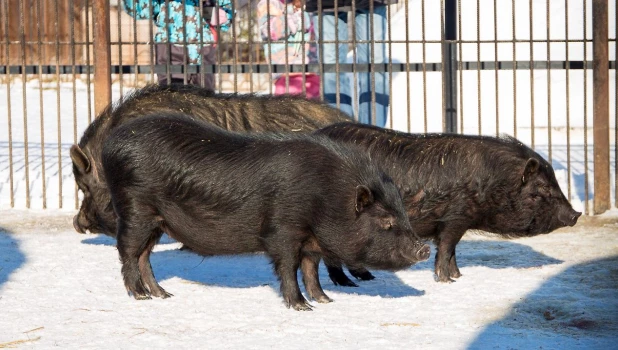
(184, 17)
(278, 21)
(363, 18)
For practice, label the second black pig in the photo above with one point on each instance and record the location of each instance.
(295, 198)
(235, 112)
(454, 183)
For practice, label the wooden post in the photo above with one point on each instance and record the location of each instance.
(102, 56)
(600, 98)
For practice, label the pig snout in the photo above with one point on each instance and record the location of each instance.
(77, 225)
(568, 217)
(423, 253)
(418, 255)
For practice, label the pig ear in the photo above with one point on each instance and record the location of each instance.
(80, 159)
(532, 165)
(364, 198)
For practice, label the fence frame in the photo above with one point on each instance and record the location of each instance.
(451, 65)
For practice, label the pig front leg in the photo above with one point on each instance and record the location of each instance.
(446, 264)
(146, 269)
(132, 238)
(286, 260)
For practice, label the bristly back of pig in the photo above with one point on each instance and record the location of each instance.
(486, 183)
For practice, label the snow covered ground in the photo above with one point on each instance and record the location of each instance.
(60, 288)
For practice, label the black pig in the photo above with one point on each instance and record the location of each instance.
(246, 113)
(454, 183)
(295, 198)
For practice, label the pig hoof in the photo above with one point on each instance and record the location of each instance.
(324, 299)
(162, 294)
(443, 278)
(302, 306)
(362, 275)
(455, 274)
(344, 282)
(142, 297)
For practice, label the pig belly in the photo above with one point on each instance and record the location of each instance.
(215, 235)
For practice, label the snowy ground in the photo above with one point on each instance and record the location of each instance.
(59, 288)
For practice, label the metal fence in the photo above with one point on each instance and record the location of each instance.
(542, 71)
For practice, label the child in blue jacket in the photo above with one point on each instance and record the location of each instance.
(198, 47)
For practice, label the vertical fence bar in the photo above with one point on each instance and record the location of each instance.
(22, 37)
(586, 186)
(478, 62)
(409, 111)
(235, 47)
(549, 143)
(568, 100)
(151, 45)
(443, 62)
(41, 118)
(532, 77)
(616, 110)
(134, 20)
(449, 75)
(168, 45)
(390, 66)
(337, 82)
(424, 65)
(58, 115)
(8, 102)
(372, 75)
(514, 71)
(200, 27)
(355, 98)
(184, 43)
(251, 44)
(71, 14)
(600, 102)
(496, 66)
(119, 28)
(88, 72)
(459, 66)
(102, 54)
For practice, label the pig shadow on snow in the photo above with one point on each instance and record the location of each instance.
(575, 309)
(251, 270)
(12, 258)
(244, 271)
(500, 254)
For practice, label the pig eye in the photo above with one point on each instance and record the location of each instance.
(387, 224)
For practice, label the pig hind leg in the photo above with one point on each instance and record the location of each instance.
(361, 274)
(452, 267)
(336, 274)
(445, 264)
(309, 266)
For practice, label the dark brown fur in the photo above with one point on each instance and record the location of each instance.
(454, 183)
(297, 198)
(235, 112)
